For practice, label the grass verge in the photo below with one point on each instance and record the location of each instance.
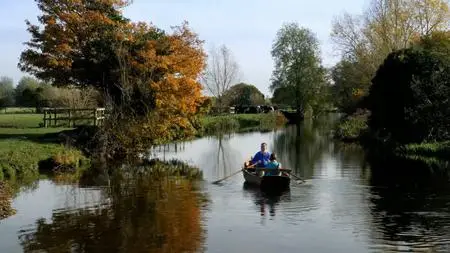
(24, 158)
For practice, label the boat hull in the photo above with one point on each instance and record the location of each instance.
(255, 177)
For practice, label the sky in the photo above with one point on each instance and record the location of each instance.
(247, 27)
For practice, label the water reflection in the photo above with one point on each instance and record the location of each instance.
(349, 203)
(302, 147)
(266, 199)
(140, 213)
(411, 206)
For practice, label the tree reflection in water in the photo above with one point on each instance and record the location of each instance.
(300, 147)
(144, 213)
(410, 204)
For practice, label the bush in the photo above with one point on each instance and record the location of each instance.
(65, 161)
(352, 127)
(409, 98)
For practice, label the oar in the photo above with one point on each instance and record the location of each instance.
(215, 182)
(296, 176)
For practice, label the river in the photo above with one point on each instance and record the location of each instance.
(344, 206)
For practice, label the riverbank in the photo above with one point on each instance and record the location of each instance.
(27, 150)
(354, 129)
(241, 123)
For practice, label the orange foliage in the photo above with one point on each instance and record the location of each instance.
(149, 76)
(172, 77)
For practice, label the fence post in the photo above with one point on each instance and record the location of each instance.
(70, 116)
(54, 119)
(95, 117)
(45, 118)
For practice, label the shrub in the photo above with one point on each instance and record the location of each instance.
(353, 126)
(409, 97)
(65, 161)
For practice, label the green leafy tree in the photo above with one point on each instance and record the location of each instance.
(297, 65)
(283, 96)
(349, 85)
(364, 41)
(409, 97)
(25, 91)
(6, 92)
(243, 94)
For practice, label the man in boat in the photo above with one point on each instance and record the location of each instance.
(261, 158)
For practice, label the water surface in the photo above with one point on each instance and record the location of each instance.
(343, 207)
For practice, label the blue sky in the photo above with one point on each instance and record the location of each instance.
(247, 27)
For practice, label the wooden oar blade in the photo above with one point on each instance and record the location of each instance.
(220, 180)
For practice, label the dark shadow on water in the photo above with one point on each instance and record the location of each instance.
(410, 203)
(267, 198)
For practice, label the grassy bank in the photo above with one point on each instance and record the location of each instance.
(439, 150)
(241, 122)
(26, 149)
(353, 128)
(22, 158)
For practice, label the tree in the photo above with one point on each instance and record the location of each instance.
(24, 91)
(349, 85)
(221, 72)
(284, 96)
(78, 45)
(297, 65)
(147, 76)
(6, 92)
(386, 26)
(243, 94)
(409, 97)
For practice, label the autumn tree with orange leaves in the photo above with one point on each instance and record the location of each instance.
(148, 77)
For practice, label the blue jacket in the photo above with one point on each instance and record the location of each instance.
(272, 165)
(264, 158)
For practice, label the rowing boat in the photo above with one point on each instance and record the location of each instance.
(258, 176)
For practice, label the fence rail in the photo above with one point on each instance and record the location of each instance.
(71, 115)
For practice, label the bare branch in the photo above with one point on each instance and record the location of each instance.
(221, 72)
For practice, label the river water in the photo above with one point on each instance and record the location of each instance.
(344, 205)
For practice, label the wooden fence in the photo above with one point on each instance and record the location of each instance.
(69, 116)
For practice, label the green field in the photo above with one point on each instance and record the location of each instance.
(20, 120)
(23, 144)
